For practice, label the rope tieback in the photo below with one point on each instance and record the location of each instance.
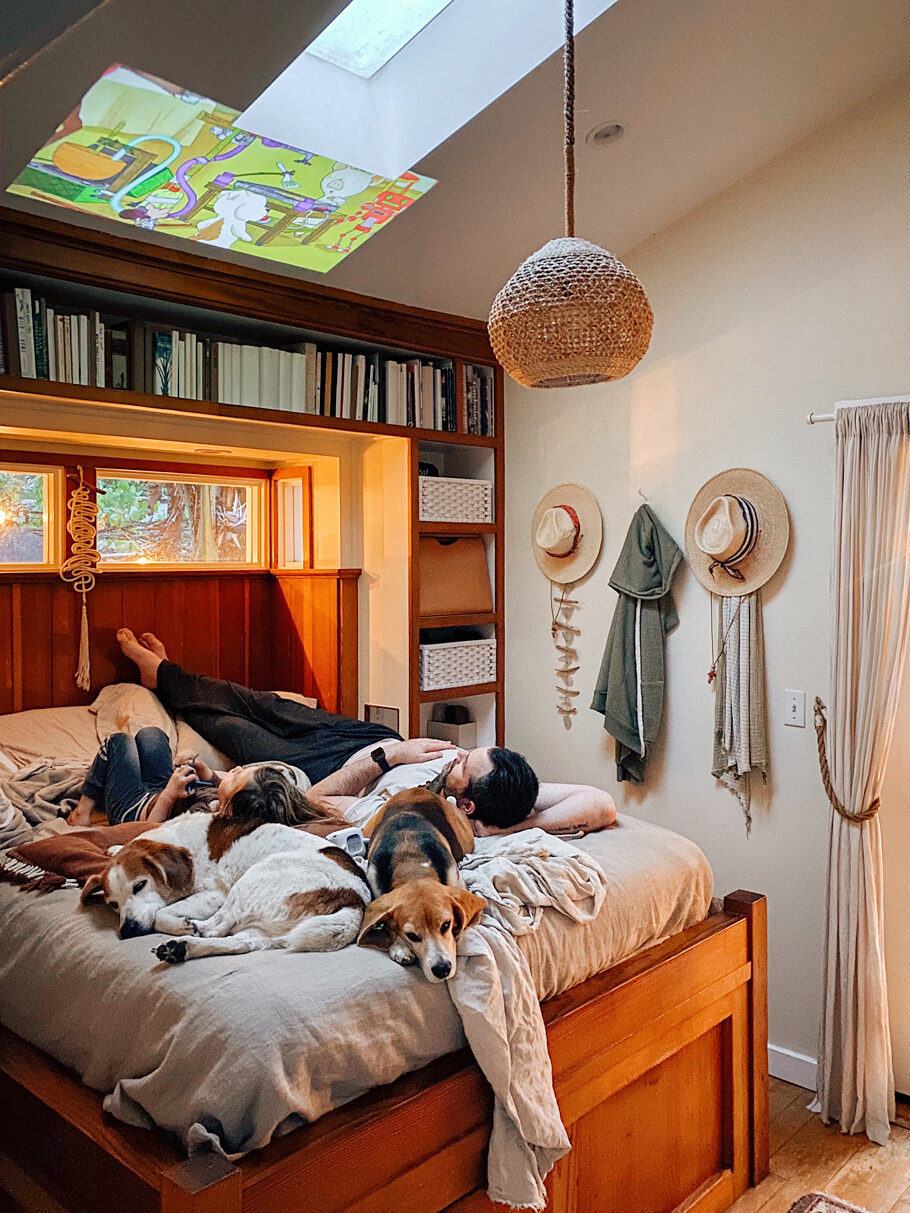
(821, 728)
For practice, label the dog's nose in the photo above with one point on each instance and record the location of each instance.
(131, 928)
(441, 969)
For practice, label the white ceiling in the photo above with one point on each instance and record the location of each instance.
(707, 89)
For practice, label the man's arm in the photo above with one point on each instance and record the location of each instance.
(563, 808)
(355, 777)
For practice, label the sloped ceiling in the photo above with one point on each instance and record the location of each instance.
(707, 89)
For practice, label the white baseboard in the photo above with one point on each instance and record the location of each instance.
(792, 1067)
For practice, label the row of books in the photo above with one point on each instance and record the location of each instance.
(38, 341)
(479, 400)
(41, 341)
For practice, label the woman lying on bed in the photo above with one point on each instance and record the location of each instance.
(135, 779)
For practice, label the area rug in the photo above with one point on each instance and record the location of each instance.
(820, 1202)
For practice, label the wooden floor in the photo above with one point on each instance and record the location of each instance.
(808, 1157)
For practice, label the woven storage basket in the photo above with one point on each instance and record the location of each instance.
(445, 499)
(571, 314)
(462, 663)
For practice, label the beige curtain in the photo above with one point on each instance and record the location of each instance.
(870, 634)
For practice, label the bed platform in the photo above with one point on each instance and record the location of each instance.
(660, 1067)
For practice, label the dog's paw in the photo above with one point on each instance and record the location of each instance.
(173, 952)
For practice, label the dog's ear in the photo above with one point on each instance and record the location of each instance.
(93, 887)
(466, 909)
(378, 930)
(173, 866)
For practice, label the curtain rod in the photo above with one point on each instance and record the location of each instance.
(815, 418)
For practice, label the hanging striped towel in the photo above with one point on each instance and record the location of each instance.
(740, 739)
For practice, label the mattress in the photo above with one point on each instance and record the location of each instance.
(228, 1051)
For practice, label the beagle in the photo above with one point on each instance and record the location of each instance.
(232, 885)
(416, 841)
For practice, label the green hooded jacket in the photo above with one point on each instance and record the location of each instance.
(630, 686)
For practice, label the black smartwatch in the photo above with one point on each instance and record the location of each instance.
(378, 756)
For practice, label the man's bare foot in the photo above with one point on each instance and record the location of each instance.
(81, 815)
(150, 641)
(147, 661)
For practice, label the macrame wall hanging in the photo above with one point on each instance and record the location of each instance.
(566, 534)
(80, 568)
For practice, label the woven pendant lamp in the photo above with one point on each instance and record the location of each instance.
(571, 313)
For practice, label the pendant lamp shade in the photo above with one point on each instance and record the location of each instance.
(571, 314)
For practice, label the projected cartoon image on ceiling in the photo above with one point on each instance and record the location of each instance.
(147, 153)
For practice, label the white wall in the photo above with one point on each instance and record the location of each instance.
(782, 294)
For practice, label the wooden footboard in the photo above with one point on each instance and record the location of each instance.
(660, 1066)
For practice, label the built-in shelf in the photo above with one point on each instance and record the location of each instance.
(458, 528)
(11, 385)
(479, 688)
(459, 621)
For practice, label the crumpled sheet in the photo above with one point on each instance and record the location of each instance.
(493, 990)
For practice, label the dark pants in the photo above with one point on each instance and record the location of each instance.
(256, 726)
(126, 771)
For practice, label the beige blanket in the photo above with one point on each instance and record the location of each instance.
(231, 1050)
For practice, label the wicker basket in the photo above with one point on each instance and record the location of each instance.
(462, 663)
(445, 499)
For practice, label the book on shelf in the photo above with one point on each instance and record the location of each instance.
(47, 340)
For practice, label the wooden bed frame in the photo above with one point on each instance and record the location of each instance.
(660, 1067)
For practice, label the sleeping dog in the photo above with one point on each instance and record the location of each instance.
(421, 907)
(233, 885)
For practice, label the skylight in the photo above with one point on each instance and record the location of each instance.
(368, 33)
(400, 76)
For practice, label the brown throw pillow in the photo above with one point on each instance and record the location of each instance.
(75, 855)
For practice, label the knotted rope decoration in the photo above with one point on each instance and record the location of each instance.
(821, 728)
(80, 568)
(561, 611)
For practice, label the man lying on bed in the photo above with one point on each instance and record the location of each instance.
(495, 787)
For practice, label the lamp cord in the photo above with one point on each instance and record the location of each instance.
(569, 113)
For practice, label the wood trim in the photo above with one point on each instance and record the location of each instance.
(459, 621)
(17, 389)
(631, 1038)
(754, 909)
(458, 528)
(415, 696)
(499, 556)
(113, 261)
(480, 688)
(126, 462)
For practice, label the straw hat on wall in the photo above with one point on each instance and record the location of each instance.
(737, 532)
(566, 533)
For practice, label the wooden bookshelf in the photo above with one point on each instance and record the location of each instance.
(42, 253)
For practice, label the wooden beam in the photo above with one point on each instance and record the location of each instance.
(754, 908)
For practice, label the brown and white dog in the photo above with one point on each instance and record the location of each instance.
(233, 885)
(416, 841)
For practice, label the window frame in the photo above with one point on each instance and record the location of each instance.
(257, 527)
(54, 517)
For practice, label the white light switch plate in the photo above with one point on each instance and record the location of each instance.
(795, 709)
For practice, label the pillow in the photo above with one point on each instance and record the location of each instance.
(126, 707)
(189, 739)
(304, 699)
(66, 734)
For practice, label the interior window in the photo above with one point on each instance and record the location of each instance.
(178, 520)
(28, 517)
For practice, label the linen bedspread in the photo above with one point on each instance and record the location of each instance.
(227, 1051)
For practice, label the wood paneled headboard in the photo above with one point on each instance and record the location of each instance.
(288, 631)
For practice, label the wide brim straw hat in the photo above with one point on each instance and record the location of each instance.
(763, 561)
(565, 569)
